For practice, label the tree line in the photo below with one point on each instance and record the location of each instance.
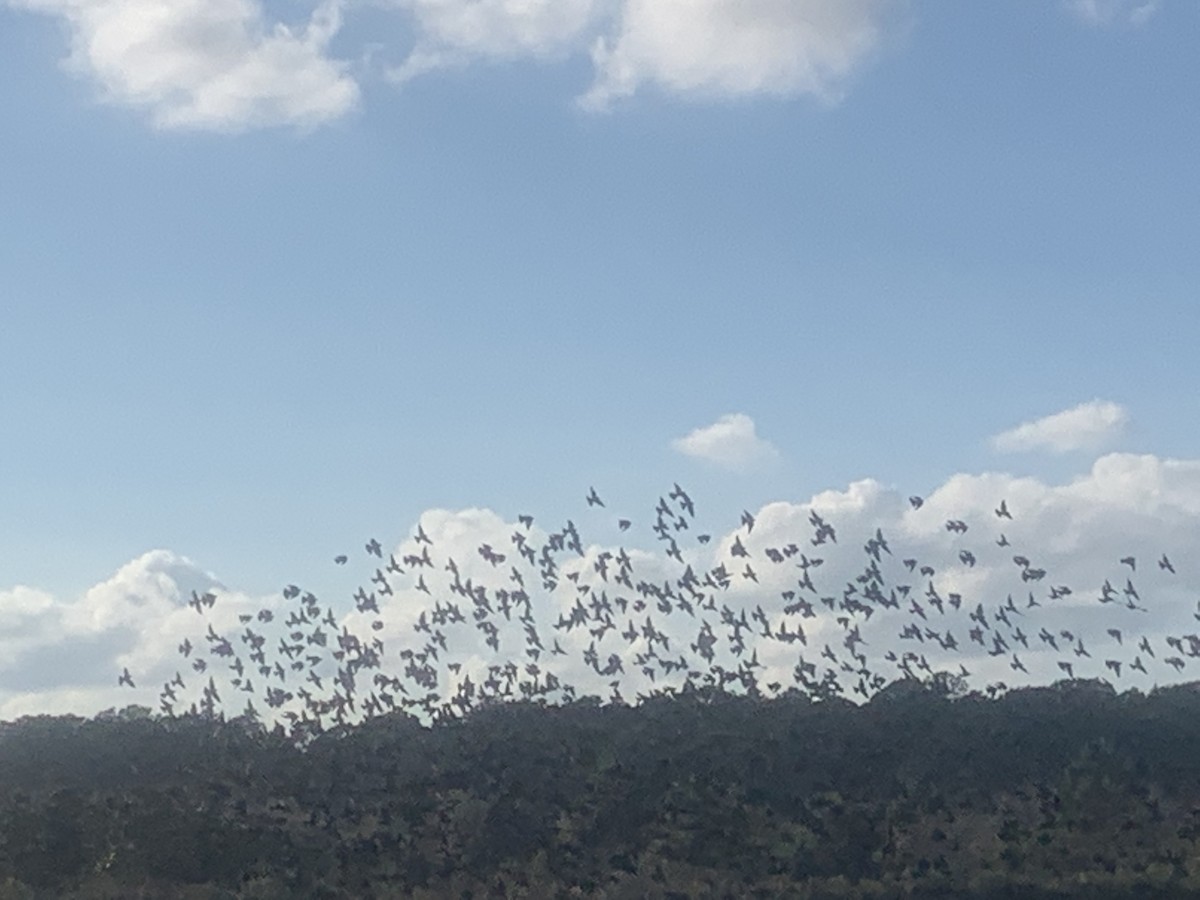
(1066, 791)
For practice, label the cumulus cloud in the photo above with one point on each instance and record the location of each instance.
(1044, 571)
(56, 654)
(1109, 12)
(731, 442)
(735, 48)
(208, 64)
(225, 65)
(1083, 427)
(1009, 598)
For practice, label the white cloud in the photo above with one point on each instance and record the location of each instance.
(713, 48)
(731, 442)
(732, 48)
(224, 65)
(1127, 505)
(63, 653)
(208, 64)
(452, 32)
(1108, 12)
(62, 656)
(1077, 531)
(156, 582)
(1084, 427)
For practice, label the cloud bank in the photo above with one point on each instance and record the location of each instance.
(1043, 575)
(225, 65)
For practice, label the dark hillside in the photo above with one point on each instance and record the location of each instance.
(1067, 791)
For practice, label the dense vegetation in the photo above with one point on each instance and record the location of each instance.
(1066, 791)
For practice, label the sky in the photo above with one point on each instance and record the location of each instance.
(276, 279)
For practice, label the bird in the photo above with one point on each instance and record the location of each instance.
(593, 499)
(125, 678)
(374, 548)
(685, 501)
(1002, 510)
(341, 559)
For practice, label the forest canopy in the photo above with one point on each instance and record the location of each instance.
(1061, 791)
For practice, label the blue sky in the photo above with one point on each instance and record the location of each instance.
(256, 332)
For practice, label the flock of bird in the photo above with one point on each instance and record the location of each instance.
(560, 621)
